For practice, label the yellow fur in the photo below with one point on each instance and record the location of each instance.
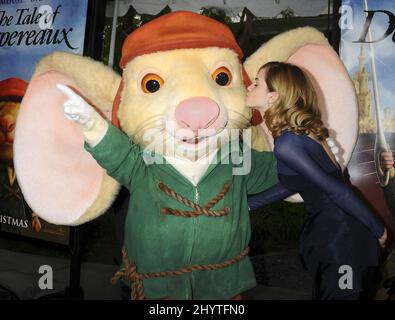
(98, 82)
(259, 140)
(186, 74)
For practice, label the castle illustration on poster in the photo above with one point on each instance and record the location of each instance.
(367, 49)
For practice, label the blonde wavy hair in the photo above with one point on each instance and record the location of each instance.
(296, 108)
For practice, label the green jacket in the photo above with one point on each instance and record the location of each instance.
(164, 242)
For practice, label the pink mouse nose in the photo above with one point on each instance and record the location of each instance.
(197, 113)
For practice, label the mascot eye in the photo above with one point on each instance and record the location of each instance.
(222, 76)
(151, 83)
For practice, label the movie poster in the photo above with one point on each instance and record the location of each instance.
(29, 30)
(367, 48)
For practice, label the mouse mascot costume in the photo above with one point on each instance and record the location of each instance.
(183, 89)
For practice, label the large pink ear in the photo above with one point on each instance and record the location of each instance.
(309, 49)
(60, 181)
(336, 95)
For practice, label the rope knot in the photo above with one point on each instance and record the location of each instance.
(131, 272)
(196, 208)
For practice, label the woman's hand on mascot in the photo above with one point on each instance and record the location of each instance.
(77, 109)
(383, 239)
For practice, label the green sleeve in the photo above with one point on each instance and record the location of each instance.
(119, 156)
(263, 172)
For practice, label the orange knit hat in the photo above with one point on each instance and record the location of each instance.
(12, 89)
(176, 30)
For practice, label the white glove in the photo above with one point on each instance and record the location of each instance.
(94, 126)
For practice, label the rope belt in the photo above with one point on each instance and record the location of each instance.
(197, 209)
(129, 272)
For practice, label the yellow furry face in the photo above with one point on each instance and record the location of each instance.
(184, 99)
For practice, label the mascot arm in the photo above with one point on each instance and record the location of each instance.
(112, 149)
(94, 127)
(263, 171)
(273, 194)
(121, 158)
